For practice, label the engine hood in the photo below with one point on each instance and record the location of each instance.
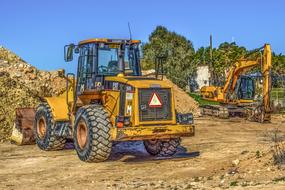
(140, 81)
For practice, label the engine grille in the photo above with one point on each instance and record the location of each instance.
(148, 113)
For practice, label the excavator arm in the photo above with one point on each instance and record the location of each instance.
(266, 67)
(243, 66)
(240, 67)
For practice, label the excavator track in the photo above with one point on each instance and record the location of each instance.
(250, 112)
(215, 110)
(223, 111)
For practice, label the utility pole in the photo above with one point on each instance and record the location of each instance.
(212, 77)
(211, 48)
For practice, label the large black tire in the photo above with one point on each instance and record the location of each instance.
(163, 147)
(44, 126)
(92, 139)
(153, 147)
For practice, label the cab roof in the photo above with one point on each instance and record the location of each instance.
(109, 41)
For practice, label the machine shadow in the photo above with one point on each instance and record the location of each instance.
(134, 151)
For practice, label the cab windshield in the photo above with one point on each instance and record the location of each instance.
(108, 61)
(109, 57)
(101, 59)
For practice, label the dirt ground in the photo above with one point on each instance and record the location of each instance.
(231, 154)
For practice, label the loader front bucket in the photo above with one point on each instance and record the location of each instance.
(23, 129)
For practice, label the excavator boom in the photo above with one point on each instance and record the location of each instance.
(266, 67)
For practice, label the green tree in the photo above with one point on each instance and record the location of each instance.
(180, 63)
(223, 57)
(278, 64)
(182, 60)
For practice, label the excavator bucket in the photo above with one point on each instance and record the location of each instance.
(23, 130)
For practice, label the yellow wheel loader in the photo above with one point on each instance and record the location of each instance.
(109, 100)
(238, 93)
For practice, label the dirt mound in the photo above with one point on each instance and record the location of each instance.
(183, 102)
(21, 85)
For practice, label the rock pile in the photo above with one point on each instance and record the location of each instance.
(21, 85)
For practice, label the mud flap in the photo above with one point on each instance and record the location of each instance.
(23, 129)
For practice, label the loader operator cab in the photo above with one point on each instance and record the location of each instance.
(98, 58)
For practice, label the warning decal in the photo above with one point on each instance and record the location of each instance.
(155, 101)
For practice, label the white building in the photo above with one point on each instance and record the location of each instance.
(202, 77)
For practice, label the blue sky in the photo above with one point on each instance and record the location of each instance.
(37, 30)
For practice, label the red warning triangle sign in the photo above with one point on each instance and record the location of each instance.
(155, 101)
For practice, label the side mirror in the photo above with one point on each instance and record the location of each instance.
(68, 52)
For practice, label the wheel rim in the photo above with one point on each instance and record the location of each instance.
(41, 127)
(82, 132)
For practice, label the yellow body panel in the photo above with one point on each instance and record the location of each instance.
(242, 101)
(139, 82)
(111, 101)
(152, 132)
(59, 105)
(212, 93)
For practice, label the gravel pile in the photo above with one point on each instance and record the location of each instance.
(21, 85)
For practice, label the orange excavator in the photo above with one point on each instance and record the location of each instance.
(237, 96)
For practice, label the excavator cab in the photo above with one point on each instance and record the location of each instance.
(245, 88)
